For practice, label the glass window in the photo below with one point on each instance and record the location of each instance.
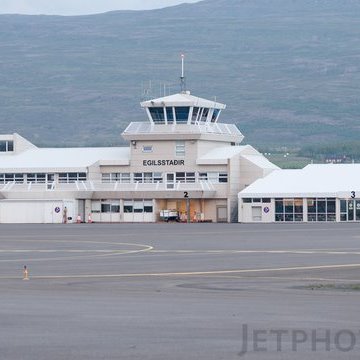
(148, 206)
(331, 206)
(321, 206)
(148, 178)
(6, 145)
(298, 203)
(125, 178)
(180, 148)
(115, 206)
(194, 115)
(114, 177)
(288, 210)
(247, 201)
(215, 115)
(36, 178)
(223, 177)
(158, 177)
(71, 177)
(311, 203)
(105, 208)
(170, 115)
(289, 205)
(95, 206)
(266, 200)
(343, 206)
(128, 206)
(157, 114)
(322, 209)
(147, 149)
(204, 115)
(180, 177)
(138, 177)
(138, 206)
(279, 206)
(182, 114)
(213, 177)
(17, 178)
(105, 178)
(203, 176)
(190, 177)
(350, 210)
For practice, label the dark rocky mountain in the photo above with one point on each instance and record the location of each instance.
(289, 70)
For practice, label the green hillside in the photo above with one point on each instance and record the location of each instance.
(289, 70)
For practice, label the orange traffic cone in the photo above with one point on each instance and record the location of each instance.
(78, 219)
(90, 219)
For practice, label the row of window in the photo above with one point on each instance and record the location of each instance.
(158, 177)
(256, 200)
(318, 209)
(179, 148)
(180, 114)
(130, 206)
(124, 178)
(41, 178)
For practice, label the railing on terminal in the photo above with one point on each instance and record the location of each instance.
(212, 128)
(113, 186)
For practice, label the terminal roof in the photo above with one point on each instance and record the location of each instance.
(183, 99)
(62, 159)
(221, 155)
(315, 180)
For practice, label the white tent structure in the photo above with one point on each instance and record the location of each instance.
(319, 192)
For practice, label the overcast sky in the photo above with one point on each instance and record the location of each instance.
(79, 7)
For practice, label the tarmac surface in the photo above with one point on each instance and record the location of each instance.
(180, 291)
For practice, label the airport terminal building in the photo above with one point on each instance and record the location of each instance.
(317, 193)
(181, 159)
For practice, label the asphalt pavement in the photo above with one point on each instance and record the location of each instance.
(180, 291)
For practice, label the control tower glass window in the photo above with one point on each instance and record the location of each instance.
(215, 115)
(157, 114)
(205, 115)
(194, 115)
(182, 114)
(169, 115)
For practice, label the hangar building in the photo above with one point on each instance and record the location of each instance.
(317, 193)
(182, 158)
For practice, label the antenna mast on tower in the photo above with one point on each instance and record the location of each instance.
(182, 78)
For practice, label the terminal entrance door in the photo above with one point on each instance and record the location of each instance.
(221, 214)
(350, 210)
(256, 213)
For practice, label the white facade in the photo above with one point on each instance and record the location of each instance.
(181, 159)
(317, 193)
